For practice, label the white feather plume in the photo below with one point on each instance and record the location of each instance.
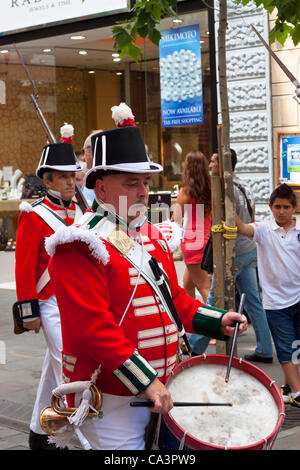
(67, 130)
(121, 112)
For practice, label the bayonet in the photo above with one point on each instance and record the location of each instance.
(50, 136)
(35, 91)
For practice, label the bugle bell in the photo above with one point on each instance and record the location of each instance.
(53, 418)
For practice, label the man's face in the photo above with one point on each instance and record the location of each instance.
(64, 183)
(214, 164)
(283, 211)
(126, 193)
(88, 156)
(79, 177)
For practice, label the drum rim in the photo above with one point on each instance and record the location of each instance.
(237, 363)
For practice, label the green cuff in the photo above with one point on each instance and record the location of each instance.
(135, 373)
(207, 321)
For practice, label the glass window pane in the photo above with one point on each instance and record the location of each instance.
(170, 145)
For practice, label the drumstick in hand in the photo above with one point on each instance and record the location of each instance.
(240, 310)
(150, 404)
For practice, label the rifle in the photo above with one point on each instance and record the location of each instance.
(287, 72)
(50, 136)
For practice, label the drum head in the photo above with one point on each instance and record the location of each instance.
(252, 422)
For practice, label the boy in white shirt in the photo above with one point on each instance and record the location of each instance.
(278, 255)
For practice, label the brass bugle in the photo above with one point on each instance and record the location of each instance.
(53, 418)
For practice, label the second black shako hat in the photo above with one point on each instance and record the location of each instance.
(119, 150)
(59, 157)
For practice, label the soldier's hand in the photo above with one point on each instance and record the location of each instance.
(229, 320)
(160, 396)
(33, 325)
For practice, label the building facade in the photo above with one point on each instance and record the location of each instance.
(260, 98)
(79, 79)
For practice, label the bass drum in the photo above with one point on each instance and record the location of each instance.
(252, 422)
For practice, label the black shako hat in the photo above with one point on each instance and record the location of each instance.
(119, 150)
(59, 157)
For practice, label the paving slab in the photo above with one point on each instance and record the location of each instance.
(24, 355)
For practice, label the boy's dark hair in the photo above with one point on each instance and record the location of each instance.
(283, 192)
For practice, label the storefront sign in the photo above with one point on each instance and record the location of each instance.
(180, 77)
(288, 158)
(20, 15)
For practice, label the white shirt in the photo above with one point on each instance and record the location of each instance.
(243, 244)
(278, 261)
(89, 195)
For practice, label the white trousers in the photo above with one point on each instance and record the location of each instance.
(122, 427)
(51, 369)
(51, 375)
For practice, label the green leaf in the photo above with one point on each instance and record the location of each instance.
(134, 52)
(157, 11)
(295, 34)
(272, 36)
(143, 17)
(282, 34)
(122, 38)
(143, 31)
(154, 36)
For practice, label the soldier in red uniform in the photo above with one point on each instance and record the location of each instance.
(35, 293)
(117, 327)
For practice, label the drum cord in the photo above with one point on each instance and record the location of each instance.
(137, 280)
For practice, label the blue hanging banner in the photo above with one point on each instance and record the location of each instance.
(181, 77)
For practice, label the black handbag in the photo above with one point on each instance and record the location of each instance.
(207, 263)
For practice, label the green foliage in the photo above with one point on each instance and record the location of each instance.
(145, 16)
(287, 21)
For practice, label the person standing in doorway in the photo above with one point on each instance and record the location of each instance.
(36, 302)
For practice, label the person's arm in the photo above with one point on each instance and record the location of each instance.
(27, 252)
(182, 199)
(199, 318)
(244, 229)
(253, 213)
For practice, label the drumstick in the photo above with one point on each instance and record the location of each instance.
(240, 310)
(178, 403)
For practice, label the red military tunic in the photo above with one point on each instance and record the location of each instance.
(93, 284)
(31, 256)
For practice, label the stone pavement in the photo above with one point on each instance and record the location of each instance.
(21, 360)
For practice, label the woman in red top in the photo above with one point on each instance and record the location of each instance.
(194, 206)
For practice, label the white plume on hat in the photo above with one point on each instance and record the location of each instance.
(119, 150)
(67, 132)
(122, 113)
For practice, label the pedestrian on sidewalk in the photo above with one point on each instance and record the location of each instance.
(246, 275)
(36, 303)
(118, 324)
(278, 245)
(193, 206)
